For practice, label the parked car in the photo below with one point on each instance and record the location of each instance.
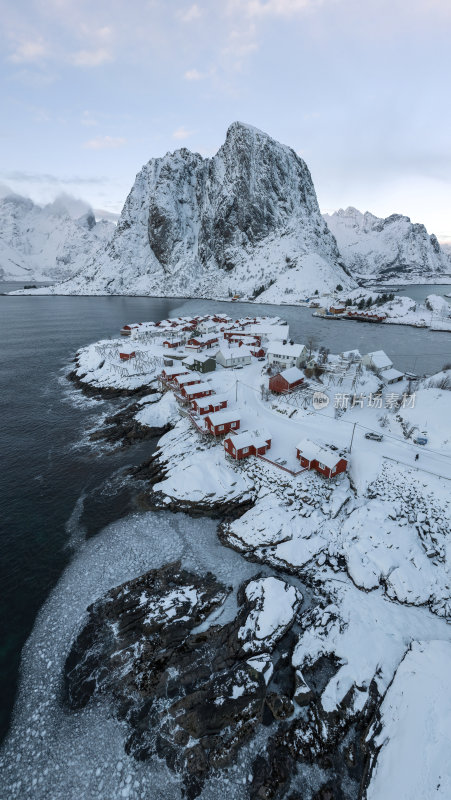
(375, 437)
(420, 439)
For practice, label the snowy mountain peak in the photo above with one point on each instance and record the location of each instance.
(392, 249)
(246, 221)
(46, 243)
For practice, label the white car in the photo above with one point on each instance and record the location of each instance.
(375, 437)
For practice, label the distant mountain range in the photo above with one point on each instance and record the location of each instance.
(46, 243)
(245, 222)
(391, 249)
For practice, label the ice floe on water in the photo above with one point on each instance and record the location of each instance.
(55, 754)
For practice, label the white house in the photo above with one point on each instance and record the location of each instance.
(207, 326)
(391, 375)
(378, 360)
(233, 356)
(285, 354)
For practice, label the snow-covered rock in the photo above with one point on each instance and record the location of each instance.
(46, 243)
(275, 604)
(414, 738)
(391, 249)
(246, 221)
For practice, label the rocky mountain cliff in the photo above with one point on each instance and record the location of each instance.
(46, 243)
(244, 222)
(391, 249)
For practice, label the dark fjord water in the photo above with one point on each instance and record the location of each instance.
(53, 490)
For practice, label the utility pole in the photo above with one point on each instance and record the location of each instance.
(352, 437)
(236, 390)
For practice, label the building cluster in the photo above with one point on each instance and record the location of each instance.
(194, 346)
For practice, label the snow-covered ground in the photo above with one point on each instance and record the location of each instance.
(414, 740)
(372, 542)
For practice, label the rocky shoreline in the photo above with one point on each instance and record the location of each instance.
(197, 695)
(295, 695)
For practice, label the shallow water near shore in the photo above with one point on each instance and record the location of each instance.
(56, 489)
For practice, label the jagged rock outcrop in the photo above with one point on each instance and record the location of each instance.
(46, 243)
(246, 221)
(392, 249)
(191, 695)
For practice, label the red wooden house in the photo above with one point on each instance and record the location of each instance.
(243, 445)
(126, 330)
(221, 422)
(186, 380)
(171, 373)
(323, 459)
(256, 350)
(201, 342)
(196, 391)
(286, 381)
(126, 355)
(173, 343)
(209, 405)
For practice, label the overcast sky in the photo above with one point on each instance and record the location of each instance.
(360, 88)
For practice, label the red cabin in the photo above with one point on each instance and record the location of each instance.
(323, 459)
(243, 445)
(256, 351)
(126, 330)
(199, 342)
(196, 391)
(209, 405)
(126, 356)
(221, 422)
(171, 373)
(173, 343)
(286, 381)
(186, 380)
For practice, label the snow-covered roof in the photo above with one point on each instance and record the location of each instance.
(176, 370)
(351, 354)
(204, 337)
(189, 360)
(202, 357)
(193, 377)
(198, 387)
(214, 399)
(272, 332)
(249, 438)
(380, 359)
(221, 417)
(235, 352)
(291, 375)
(280, 349)
(318, 452)
(392, 374)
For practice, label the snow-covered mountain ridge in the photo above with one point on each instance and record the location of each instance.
(391, 249)
(46, 243)
(245, 222)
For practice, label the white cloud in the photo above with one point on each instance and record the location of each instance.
(104, 142)
(182, 133)
(275, 8)
(91, 58)
(193, 12)
(194, 75)
(29, 51)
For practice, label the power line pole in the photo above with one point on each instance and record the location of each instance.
(352, 437)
